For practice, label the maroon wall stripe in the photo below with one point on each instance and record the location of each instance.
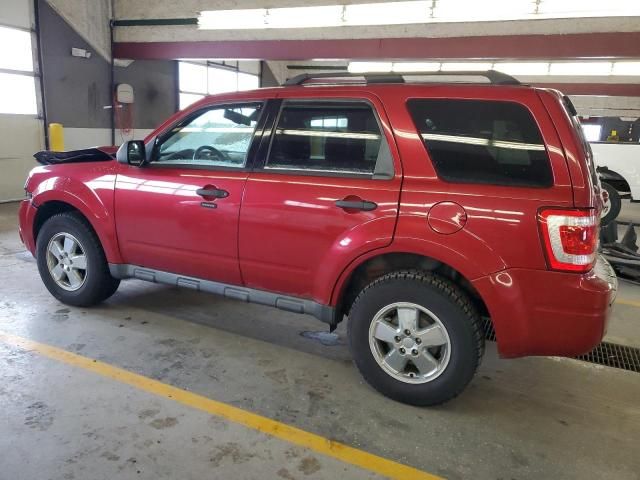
(623, 44)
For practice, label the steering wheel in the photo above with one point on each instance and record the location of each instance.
(207, 152)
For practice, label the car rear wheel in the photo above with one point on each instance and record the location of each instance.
(612, 204)
(71, 261)
(415, 337)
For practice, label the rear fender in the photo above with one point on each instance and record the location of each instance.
(469, 267)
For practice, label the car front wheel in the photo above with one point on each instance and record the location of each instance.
(415, 337)
(71, 261)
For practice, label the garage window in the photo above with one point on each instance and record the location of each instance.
(331, 137)
(18, 78)
(196, 80)
(478, 141)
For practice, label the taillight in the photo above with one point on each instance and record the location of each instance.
(570, 238)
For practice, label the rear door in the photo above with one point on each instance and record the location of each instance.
(327, 190)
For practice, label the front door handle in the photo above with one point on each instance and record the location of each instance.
(365, 205)
(212, 193)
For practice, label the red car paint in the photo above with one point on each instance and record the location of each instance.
(282, 233)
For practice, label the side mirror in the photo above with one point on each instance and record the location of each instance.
(132, 153)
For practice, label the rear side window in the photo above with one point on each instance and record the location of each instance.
(478, 141)
(339, 137)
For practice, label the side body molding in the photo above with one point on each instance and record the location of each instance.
(323, 313)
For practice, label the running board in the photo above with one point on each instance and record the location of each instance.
(323, 313)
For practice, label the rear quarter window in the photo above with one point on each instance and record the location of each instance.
(480, 141)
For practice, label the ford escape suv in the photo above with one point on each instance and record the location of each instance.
(415, 211)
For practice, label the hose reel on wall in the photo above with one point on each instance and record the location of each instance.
(123, 102)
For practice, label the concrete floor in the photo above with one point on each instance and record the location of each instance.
(529, 418)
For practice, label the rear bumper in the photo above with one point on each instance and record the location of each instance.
(26, 217)
(538, 312)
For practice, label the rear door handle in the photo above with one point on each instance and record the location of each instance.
(212, 192)
(365, 205)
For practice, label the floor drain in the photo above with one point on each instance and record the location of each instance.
(614, 355)
(607, 354)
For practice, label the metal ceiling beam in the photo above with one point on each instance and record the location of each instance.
(523, 47)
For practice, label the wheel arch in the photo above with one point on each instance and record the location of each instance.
(374, 266)
(48, 207)
(613, 178)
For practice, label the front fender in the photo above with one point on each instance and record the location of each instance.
(92, 195)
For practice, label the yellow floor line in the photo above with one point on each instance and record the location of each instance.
(321, 445)
(630, 303)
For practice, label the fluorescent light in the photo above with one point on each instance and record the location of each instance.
(580, 68)
(416, 66)
(626, 68)
(363, 67)
(304, 17)
(387, 13)
(474, 10)
(522, 68)
(408, 12)
(586, 8)
(233, 19)
(465, 66)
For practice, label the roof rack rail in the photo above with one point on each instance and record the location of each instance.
(495, 77)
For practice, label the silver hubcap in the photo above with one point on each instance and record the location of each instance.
(66, 261)
(409, 342)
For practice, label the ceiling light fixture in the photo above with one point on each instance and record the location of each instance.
(466, 66)
(365, 67)
(410, 11)
(416, 66)
(577, 69)
(523, 69)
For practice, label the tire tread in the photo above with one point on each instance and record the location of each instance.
(450, 291)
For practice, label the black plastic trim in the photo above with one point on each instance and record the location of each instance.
(324, 313)
(495, 77)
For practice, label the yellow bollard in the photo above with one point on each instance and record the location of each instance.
(56, 137)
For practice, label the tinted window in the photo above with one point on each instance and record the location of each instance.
(219, 137)
(338, 137)
(475, 141)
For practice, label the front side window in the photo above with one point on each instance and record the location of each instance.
(481, 141)
(219, 137)
(335, 137)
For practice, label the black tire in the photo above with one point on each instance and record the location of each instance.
(98, 283)
(616, 204)
(455, 312)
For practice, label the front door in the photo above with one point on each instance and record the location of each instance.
(179, 214)
(327, 191)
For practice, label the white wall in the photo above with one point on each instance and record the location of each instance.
(20, 137)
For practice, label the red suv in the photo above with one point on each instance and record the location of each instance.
(415, 210)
